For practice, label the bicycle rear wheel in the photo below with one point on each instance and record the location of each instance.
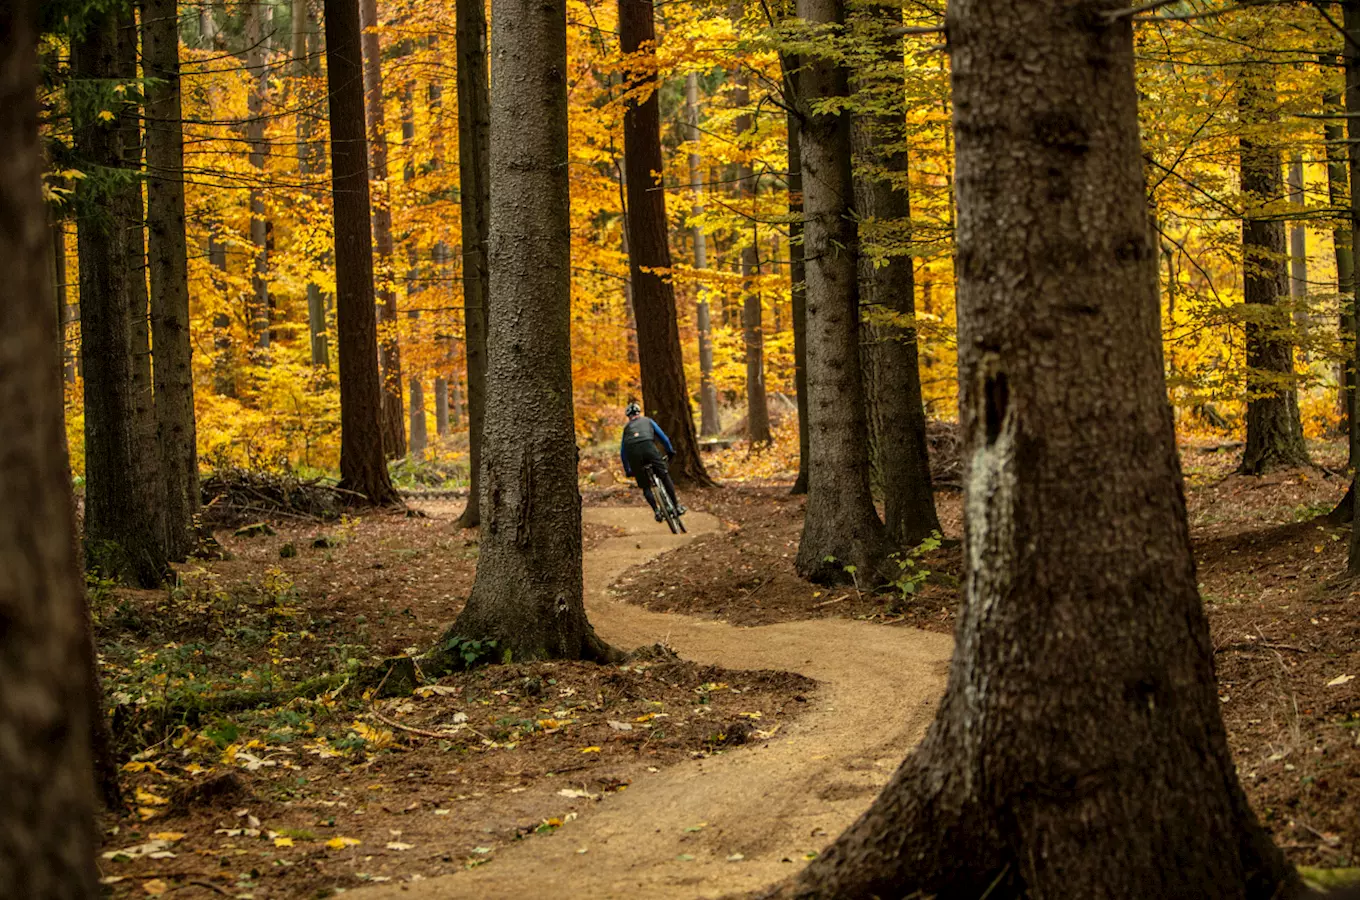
(663, 500)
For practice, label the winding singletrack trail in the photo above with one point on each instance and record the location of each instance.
(772, 802)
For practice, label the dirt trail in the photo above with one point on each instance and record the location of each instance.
(772, 802)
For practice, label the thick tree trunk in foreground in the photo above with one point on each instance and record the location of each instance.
(47, 822)
(393, 415)
(841, 527)
(528, 593)
(174, 382)
(121, 536)
(363, 468)
(1274, 430)
(1079, 750)
(1351, 57)
(797, 268)
(664, 394)
(753, 335)
(897, 418)
(474, 182)
(708, 392)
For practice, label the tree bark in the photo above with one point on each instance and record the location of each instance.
(305, 69)
(842, 536)
(1274, 430)
(1351, 60)
(121, 539)
(709, 423)
(474, 181)
(1079, 749)
(1298, 248)
(664, 394)
(393, 422)
(797, 267)
(527, 596)
(441, 406)
(47, 820)
(362, 465)
(420, 439)
(258, 25)
(174, 382)
(753, 336)
(1338, 192)
(897, 418)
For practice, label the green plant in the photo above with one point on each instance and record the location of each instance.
(910, 573)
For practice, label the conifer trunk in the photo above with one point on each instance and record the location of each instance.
(362, 465)
(753, 336)
(797, 269)
(709, 423)
(1079, 750)
(1338, 192)
(47, 820)
(527, 596)
(259, 23)
(305, 70)
(842, 536)
(173, 375)
(1274, 429)
(474, 182)
(441, 406)
(664, 394)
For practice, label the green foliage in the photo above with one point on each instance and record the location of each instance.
(910, 573)
(472, 652)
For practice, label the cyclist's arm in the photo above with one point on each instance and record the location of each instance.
(670, 451)
(623, 455)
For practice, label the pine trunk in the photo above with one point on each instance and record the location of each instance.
(362, 465)
(797, 267)
(1274, 430)
(897, 418)
(259, 25)
(47, 817)
(1351, 57)
(664, 394)
(709, 423)
(1338, 192)
(753, 336)
(474, 181)
(305, 69)
(174, 383)
(1079, 750)
(527, 596)
(419, 437)
(842, 536)
(121, 539)
(441, 406)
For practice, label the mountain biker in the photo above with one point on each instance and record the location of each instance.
(638, 450)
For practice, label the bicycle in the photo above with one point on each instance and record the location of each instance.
(664, 504)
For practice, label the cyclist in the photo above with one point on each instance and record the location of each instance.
(638, 450)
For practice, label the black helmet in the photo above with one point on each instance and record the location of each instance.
(633, 409)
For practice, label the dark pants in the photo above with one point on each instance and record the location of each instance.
(644, 454)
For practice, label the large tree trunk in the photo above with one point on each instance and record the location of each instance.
(797, 267)
(474, 181)
(174, 382)
(1079, 749)
(121, 536)
(47, 818)
(842, 536)
(1351, 57)
(362, 465)
(1274, 430)
(753, 336)
(528, 593)
(393, 422)
(664, 394)
(897, 418)
(259, 25)
(709, 423)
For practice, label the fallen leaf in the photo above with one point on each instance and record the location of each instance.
(144, 796)
(573, 792)
(155, 887)
(398, 845)
(283, 842)
(736, 857)
(171, 836)
(590, 749)
(1340, 680)
(340, 843)
(619, 726)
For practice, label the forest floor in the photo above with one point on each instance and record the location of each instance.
(629, 780)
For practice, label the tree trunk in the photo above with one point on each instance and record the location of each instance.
(897, 418)
(797, 268)
(47, 817)
(753, 337)
(305, 69)
(1298, 248)
(1338, 192)
(441, 406)
(664, 394)
(393, 422)
(224, 348)
(419, 437)
(65, 310)
(527, 596)
(362, 465)
(1351, 57)
(842, 536)
(456, 410)
(259, 22)
(1274, 431)
(709, 423)
(121, 539)
(174, 382)
(1079, 749)
(474, 181)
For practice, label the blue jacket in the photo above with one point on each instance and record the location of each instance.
(638, 431)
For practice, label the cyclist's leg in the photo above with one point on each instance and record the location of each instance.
(638, 463)
(664, 471)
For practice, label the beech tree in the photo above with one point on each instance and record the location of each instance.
(474, 182)
(363, 468)
(842, 534)
(47, 819)
(664, 394)
(1079, 750)
(527, 596)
